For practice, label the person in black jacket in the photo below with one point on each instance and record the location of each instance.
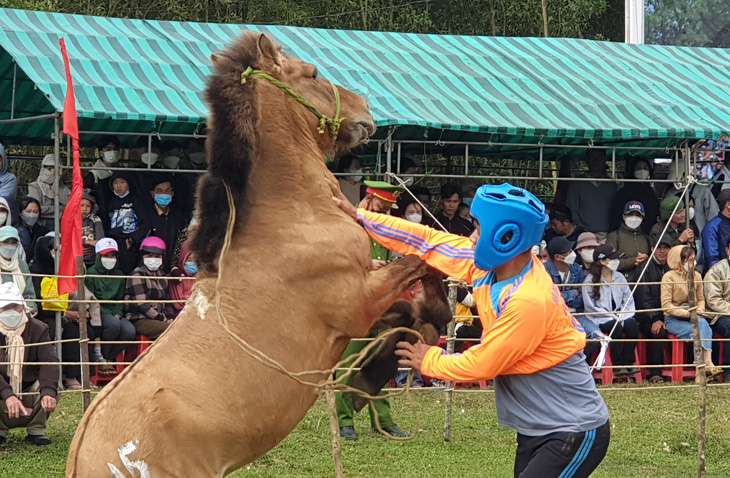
(125, 222)
(19, 374)
(636, 191)
(646, 297)
(162, 217)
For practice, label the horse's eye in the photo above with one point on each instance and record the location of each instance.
(314, 75)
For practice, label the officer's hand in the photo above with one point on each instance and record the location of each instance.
(15, 407)
(412, 354)
(344, 204)
(48, 403)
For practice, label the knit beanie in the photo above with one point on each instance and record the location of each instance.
(668, 206)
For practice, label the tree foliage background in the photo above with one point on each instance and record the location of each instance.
(688, 22)
(565, 18)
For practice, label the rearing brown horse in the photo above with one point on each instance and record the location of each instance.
(196, 404)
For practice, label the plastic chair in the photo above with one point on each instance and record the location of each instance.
(97, 379)
(135, 350)
(679, 357)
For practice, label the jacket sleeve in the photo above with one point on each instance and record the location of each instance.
(449, 253)
(518, 331)
(625, 262)
(572, 202)
(9, 186)
(699, 293)
(667, 304)
(710, 244)
(627, 303)
(48, 375)
(29, 293)
(714, 297)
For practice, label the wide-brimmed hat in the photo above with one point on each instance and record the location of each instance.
(586, 239)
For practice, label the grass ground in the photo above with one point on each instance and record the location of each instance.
(654, 435)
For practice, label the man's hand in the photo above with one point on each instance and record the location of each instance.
(640, 257)
(412, 354)
(344, 204)
(16, 409)
(48, 403)
(657, 326)
(687, 236)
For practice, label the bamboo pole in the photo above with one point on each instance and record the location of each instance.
(335, 430)
(450, 349)
(83, 333)
(700, 371)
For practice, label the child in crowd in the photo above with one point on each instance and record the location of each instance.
(125, 219)
(91, 227)
(181, 289)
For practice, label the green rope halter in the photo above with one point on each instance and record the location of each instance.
(333, 124)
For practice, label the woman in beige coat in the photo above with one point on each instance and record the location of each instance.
(675, 299)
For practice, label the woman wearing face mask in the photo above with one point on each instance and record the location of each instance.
(584, 246)
(350, 184)
(636, 191)
(675, 302)
(607, 302)
(29, 229)
(109, 286)
(13, 268)
(43, 190)
(187, 270)
(125, 219)
(97, 179)
(150, 318)
(630, 241)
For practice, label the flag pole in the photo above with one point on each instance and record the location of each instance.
(83, 334)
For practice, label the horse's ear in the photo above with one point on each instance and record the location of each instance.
(215, 59)
(268, 51)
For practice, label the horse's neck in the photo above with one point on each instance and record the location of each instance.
(289, 166)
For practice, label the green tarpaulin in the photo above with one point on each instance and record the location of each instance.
(145, 76)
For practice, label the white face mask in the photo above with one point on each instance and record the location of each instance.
(171, 162)
(11, 318)
(414, 217)
(3, 217)
(691, 213)
(633, 222)
(357, 178)
(108, 262)
(570, 258)
(587, 255)
(8, 251)
(544, 261)
(536, 250)
(111, 157)
(641, 174)
(30, 218)
(686, 266)
(153, 263)
(149, 158)
(613, 264)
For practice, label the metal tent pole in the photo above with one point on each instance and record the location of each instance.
(56, 220)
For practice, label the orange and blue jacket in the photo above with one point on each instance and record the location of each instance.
(531, 345)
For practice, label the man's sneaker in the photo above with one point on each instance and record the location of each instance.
(348, 433)
(38, 440)
(621, 371)
(396, 431)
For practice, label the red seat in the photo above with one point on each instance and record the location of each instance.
(679, 357)
(135, 350)
(96, 379)
(606, 374)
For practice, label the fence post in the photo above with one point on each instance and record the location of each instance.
(83, 333)
(700, 370)
(450, 349)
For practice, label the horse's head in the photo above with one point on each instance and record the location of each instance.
(263, 55)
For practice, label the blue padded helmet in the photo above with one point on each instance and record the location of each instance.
(512, 220)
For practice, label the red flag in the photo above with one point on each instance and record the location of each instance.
(71, 220)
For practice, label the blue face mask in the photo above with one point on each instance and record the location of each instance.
(163, 200)
(467, 201)
(191, 268)
(122, 195)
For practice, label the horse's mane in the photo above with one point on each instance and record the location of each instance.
(230, 148)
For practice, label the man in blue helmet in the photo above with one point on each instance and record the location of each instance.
(531, 346)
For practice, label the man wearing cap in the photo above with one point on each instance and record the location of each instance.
(531, 347)
(380, 197)
(716, 233)
(629, 239)
(647, 297)
(19, 375)
(677, 232)
(561, 219)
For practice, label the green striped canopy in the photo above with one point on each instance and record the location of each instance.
(148, 76)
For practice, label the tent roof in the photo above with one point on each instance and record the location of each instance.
(147, 76)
